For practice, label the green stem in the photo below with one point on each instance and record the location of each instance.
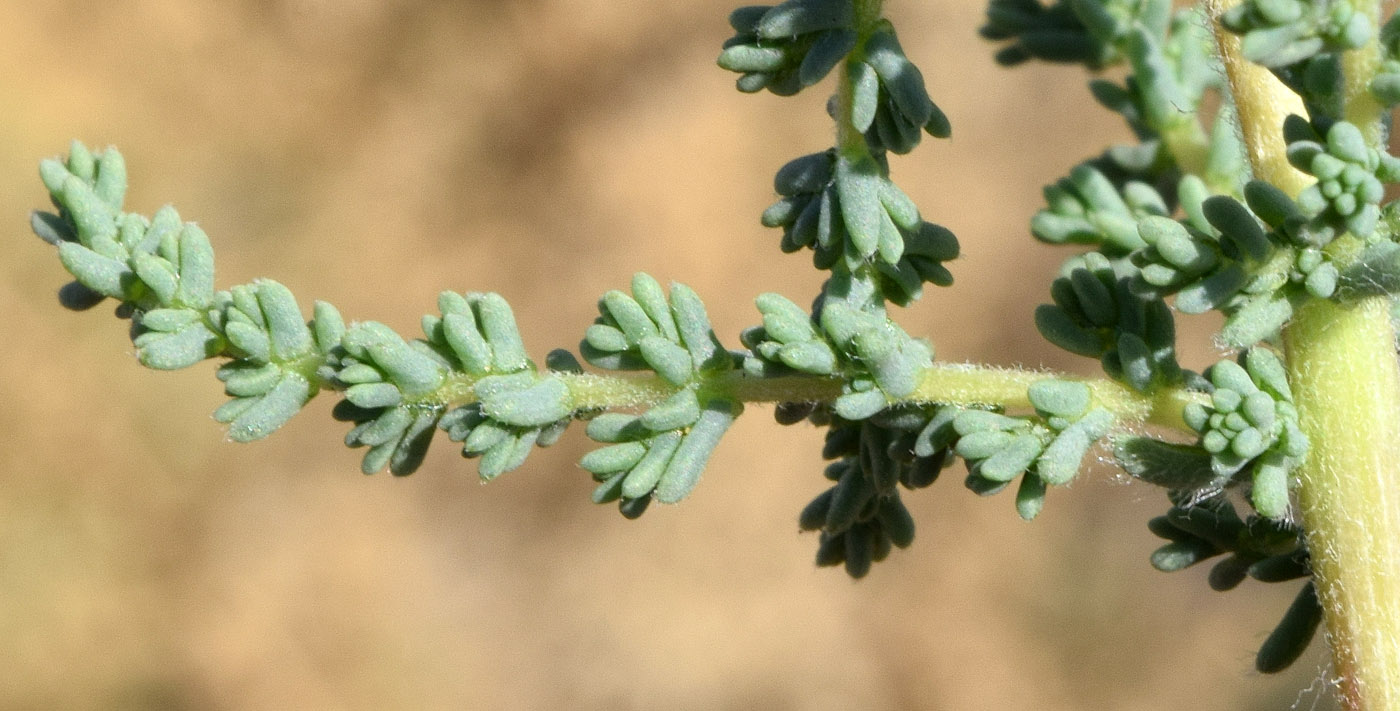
(867, 13)
(944, 383)
(859, 284)
(1007, 388)
(1342, 367)
(1261, 105)
(1189, 147)
(1343, 371)
(849, 140)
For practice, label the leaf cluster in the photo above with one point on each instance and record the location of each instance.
(1169, 225)
(1265, 549)
(1173, 228)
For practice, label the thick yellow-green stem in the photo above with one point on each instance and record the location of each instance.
(1261, 103)
(1343, 370)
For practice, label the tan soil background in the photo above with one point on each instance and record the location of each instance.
(374, 153)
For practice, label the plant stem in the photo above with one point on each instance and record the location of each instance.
(1189, 147)
(1343, 370)
(944, 383)
(849, 140)
(1261, 105)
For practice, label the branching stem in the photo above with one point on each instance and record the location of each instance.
(1343, 370)
(1261, 104)
(944, 383)
(849, 140)
(1189, 146)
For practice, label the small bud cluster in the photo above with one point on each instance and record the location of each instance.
(661, 452)
(1044, 451)
(849, 213)
(1386, 84)
(862, 517)
(1251, 428)
(1350, 176)
(889, 103)
(276, 357)
(1265, 549)
(1282, 32)
(1087, 208)
(1221, 257)
(1098, 314)
(880, 363)
(788, 47)
(1076, 32)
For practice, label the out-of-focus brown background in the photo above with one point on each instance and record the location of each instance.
(374, 153)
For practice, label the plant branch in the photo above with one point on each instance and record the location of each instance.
(1189, 147)
(945, 383)
(1343, 370)
(1262, 103)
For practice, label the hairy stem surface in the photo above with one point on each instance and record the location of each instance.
(1342, 367)
(1343, 370)
(944, 384)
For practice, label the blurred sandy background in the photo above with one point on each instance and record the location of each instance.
(374, 153)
